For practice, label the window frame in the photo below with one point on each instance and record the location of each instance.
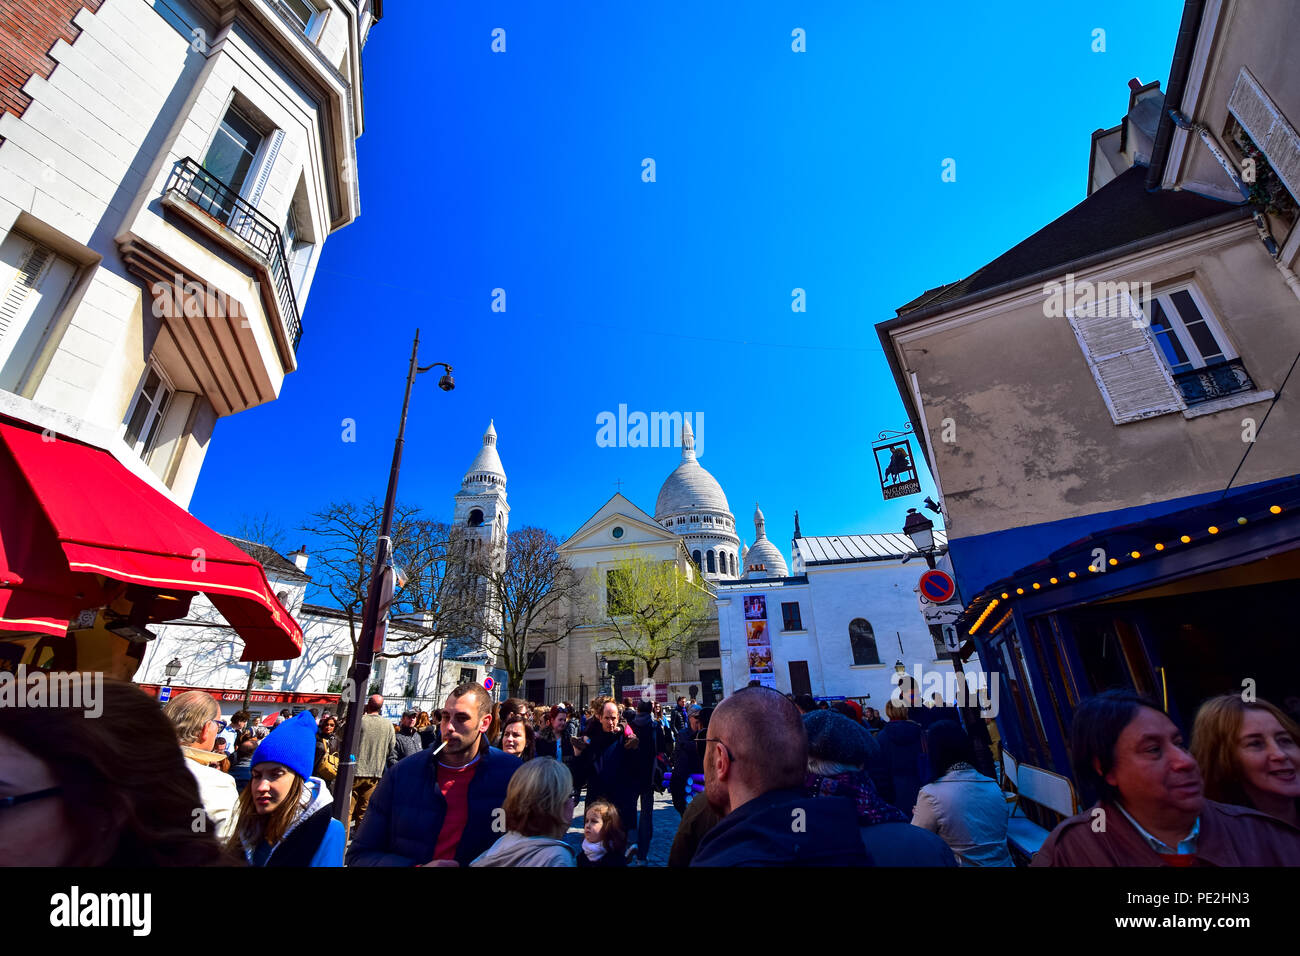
(798, 616)
(1178, 328)
(312, 28)
(157, 413)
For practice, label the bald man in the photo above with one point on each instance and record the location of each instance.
(755, 760)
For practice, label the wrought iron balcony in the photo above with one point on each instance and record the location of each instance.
(190, 181)
(1214, 381)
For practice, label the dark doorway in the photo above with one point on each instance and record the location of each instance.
(622, 676)
(535, 691)
(800, 682)
(710, 687)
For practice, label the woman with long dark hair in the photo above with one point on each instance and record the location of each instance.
(284, 816)
(518, 737)
(327, 750)
(103, 784)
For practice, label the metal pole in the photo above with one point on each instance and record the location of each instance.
(360, 673)
(936, 634)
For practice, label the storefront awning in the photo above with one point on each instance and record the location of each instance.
(76, 526)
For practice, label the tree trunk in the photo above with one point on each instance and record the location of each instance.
(252, 675)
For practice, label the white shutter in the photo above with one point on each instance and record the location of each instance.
(1124, 359)
(16, 307)
(1268, 128)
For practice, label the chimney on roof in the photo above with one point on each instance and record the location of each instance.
(1135, 84)
(299, 558)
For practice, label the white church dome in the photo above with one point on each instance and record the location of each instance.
(487, 466)
(763, 559)
(689, 487)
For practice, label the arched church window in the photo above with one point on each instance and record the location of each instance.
(695, 556)
(475, 518)
(863, 641)
(712, 566)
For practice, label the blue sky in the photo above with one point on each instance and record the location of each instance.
(775, 170)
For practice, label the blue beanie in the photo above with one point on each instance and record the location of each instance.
(292, 743)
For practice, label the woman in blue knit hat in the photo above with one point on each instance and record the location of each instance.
(284, 816)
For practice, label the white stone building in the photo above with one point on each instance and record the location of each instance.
(169, 171)
(836, 624)
(208, 652)
(692, 505)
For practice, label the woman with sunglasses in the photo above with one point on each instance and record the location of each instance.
(195, 715)
(101, 785)
(327, 750)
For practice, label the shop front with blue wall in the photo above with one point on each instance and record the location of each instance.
(1180, 601)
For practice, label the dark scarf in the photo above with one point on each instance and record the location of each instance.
(872, 809)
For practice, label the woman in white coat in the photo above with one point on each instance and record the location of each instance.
(962, 805)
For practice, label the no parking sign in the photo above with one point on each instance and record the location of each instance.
(937, 587)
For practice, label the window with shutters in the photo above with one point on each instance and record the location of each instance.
(1262, 134)
(33, 283)
(147, 411)
(1166, 354)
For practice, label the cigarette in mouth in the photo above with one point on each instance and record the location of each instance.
(440, 746)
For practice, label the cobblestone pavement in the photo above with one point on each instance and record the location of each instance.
(661, 841)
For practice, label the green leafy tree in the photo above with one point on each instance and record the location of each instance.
(655, 611)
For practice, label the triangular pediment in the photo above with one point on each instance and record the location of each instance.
(618, 510)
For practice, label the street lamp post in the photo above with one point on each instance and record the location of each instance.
(173, 668)
(381, 574)
(605, 687)
(921, 530)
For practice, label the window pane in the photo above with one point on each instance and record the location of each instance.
(301, 11)
(232, 151)
(138, 416)
(1204, 341)
(1186, 306)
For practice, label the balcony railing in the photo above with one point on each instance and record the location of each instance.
(1214, 381)
(190, 181)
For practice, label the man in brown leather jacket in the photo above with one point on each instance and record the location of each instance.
(1153, 810)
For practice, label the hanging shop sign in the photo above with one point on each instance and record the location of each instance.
(896, 464)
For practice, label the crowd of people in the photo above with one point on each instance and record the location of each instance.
(763, 779)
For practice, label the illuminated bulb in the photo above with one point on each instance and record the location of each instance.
(1213, 530)
(1020, 590)
(1275, 509)
(1073, 575)
(1037, 585)
(1053, 580)
(1160, 547)
(1136, 554)
(1113, 562)
(1185, 539)
(1005, 594)
(1241, 521)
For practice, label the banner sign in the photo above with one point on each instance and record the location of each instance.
(896, 465)
(758, 643)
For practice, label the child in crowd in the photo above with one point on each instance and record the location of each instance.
(603, 841)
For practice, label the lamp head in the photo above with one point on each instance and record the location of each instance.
(446, 383)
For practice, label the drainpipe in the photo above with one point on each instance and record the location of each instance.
(1261, 223)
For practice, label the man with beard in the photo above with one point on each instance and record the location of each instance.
(755, 761)
(438, 808)
(609, 765)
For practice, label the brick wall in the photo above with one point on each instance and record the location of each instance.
(28, 30)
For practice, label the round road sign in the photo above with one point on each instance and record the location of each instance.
(938, 587)
(488, 683)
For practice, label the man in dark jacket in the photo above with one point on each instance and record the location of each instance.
(610, 765)
(647, 732)
(406, 741)
(686, 759)
(755, 761)
(439, 810)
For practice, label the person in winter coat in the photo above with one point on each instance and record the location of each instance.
(648, 749)
(538, 810)
(327, 749)
(755, 762)
(406, 741)
(427, 727)
(902, 743)
(555, 739)
(285, 816)
(966, 808)
(604, 843)
(440, 808)
(838, 754)
(194, 715)
(609, 765)
(686, 757)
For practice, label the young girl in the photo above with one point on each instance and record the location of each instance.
(603, 839)
(284, 812)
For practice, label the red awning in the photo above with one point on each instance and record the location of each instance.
(71, 512)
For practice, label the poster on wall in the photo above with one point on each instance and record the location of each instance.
(756, 633)
(755, 607)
